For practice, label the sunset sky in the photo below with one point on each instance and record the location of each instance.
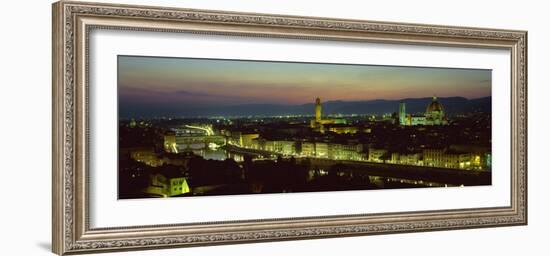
(164, 83)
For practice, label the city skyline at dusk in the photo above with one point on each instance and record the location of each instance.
(160, 85)
(204, 127)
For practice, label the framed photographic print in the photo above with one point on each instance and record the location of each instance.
(179, 127)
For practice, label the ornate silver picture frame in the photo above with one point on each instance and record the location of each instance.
(74, 21)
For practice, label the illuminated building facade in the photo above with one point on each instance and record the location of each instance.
(319, 123)
(321, 149)
(318, 110)
(448, 159)
(317, 149)
(283, 146)
(146, 156)
(402, 113)
(377, 155)
(149, 157)
(346, 152)
(406, 158)
(434, 115)
(166, 185)
(308, 149)
(170, 143)
(247, 140)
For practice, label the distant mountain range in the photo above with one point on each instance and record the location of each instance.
(452, 106)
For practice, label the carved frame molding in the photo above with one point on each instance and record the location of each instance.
(72, 22)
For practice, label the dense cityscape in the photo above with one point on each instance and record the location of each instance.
(232, 154)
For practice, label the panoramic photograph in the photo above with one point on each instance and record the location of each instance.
(210, 127)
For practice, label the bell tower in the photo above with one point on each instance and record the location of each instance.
(402, 114)
(317, 109)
